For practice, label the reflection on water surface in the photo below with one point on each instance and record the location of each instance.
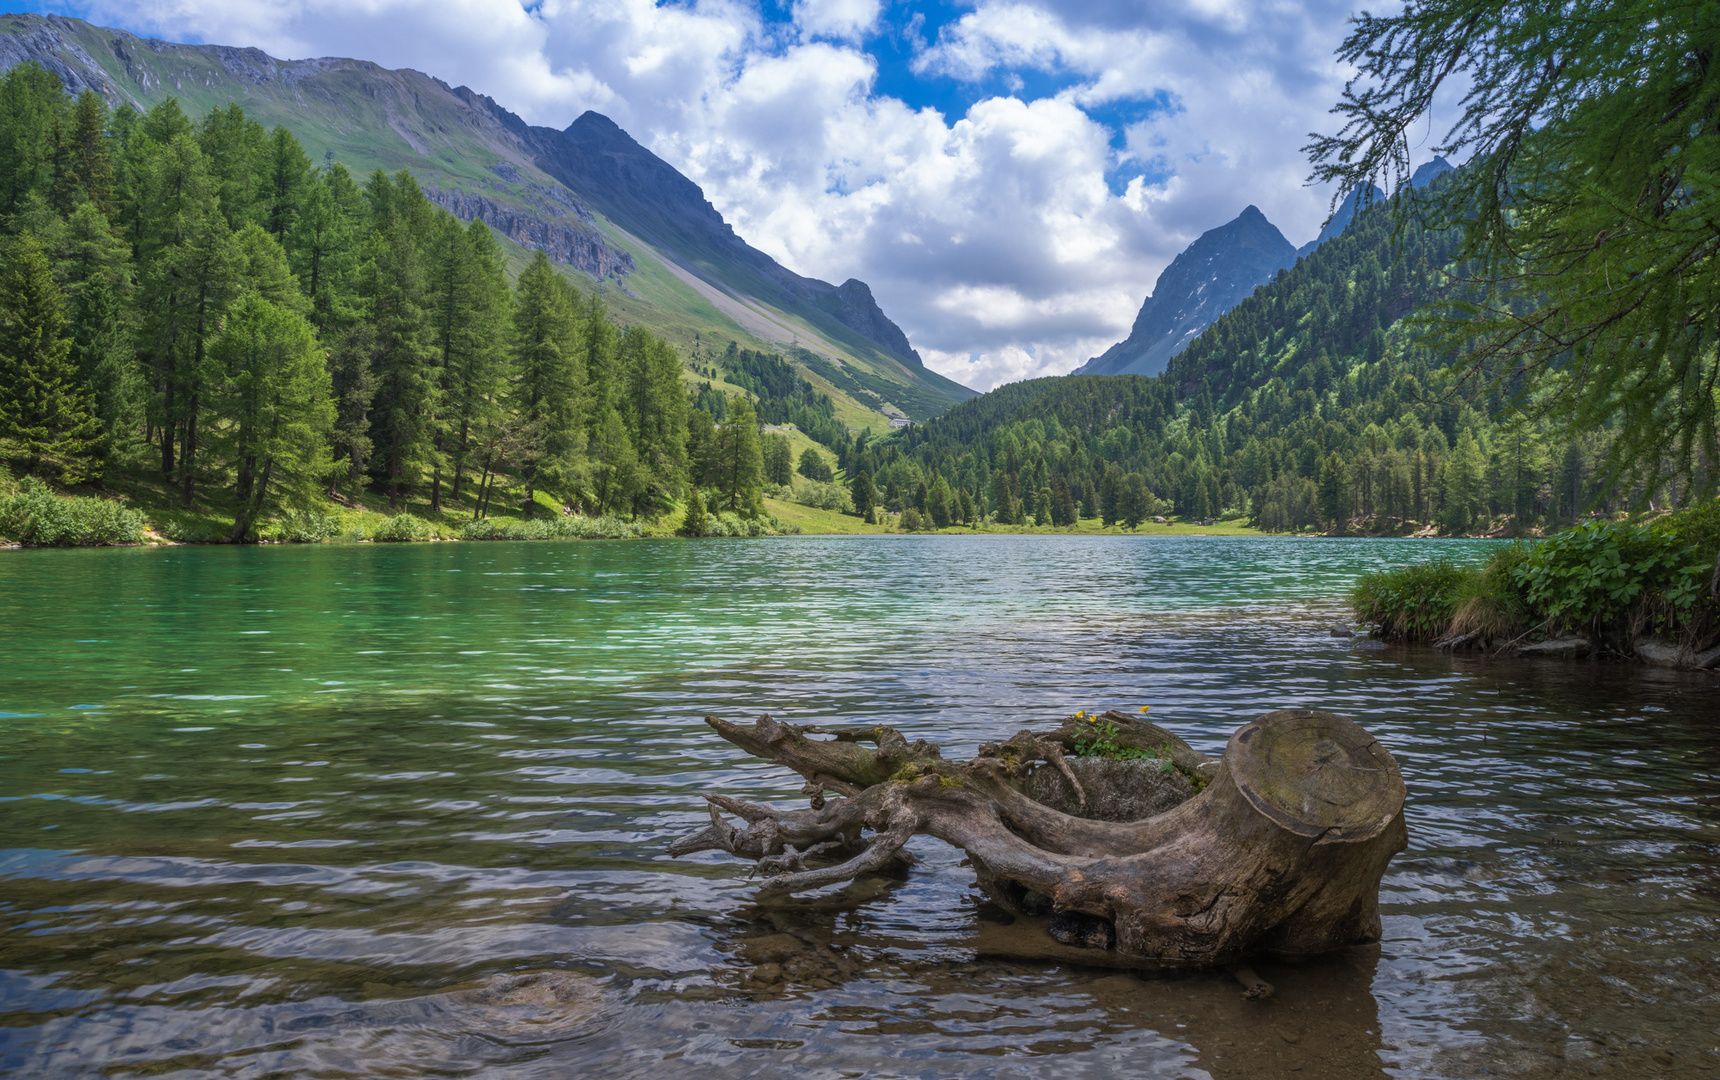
(371, 811)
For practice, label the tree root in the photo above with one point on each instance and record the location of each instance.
(1281, 851)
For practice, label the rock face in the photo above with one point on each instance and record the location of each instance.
(646, 196)
(567, 244)
(1213, 275)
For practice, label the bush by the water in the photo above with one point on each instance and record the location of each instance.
(824, 496)
(303, 527)
(559, 528)
(1611, 580)
(1410, 603)
(402, 528)
(36, 517)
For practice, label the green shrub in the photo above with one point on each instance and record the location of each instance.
(191, 528)
(825, 496)
(303, 527)
(402, 528)
(556, 528)
(1411, 603)
(912, 521)
(36, 517)
(1592, 575)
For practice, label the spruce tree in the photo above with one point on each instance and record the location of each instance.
(548, 394)
(695, 522)
(45, 417)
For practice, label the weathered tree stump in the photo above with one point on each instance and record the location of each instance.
(1277, 848)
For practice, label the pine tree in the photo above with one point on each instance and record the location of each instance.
(105, 363)
(779, 460)
(400, 359)
(285, 180)
(469, 309)
(1135, 503)
(187, 278)
(31, 103)
(655, 409)
(617, 478)
(1062, 503)
(938, 503)
(814, 467)
(44, 415)
(864, 494)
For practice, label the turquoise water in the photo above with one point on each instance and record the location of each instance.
(279, 811)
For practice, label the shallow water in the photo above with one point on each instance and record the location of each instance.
(295, 812)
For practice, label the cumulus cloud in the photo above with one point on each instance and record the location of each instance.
(1015, 239)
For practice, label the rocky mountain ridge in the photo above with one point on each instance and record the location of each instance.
(1211, 276)
(1217, 272)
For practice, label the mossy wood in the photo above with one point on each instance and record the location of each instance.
(1276, 848)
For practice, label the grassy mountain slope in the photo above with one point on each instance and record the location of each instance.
(478, 160)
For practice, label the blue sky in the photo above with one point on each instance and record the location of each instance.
(1010, 176)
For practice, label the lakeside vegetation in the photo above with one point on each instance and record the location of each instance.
(1613, 583)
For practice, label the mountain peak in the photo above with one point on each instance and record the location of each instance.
(1210, 277)
(1427, 171)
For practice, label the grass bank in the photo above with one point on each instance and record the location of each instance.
(1630, 587)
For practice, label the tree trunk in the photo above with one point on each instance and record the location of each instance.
(1280, 852)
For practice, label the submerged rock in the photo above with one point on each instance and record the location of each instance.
(1661, 654)
(1558, 647)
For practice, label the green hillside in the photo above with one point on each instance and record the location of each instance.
(1310, 405)
(478, 160)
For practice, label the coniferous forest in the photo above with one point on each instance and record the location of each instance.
(1314, 404)
(193, 300)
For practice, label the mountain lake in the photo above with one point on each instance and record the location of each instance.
(371, 810)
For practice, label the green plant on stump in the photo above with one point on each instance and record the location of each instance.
(1099, 740)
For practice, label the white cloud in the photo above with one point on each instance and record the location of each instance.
(843, 19)
(994, 238)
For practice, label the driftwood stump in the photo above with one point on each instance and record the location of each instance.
(1277, 848)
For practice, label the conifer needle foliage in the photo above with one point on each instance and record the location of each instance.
(1590, 287)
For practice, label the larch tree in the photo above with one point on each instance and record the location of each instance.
(549, 381)
(1591, 283)
(273, 395)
